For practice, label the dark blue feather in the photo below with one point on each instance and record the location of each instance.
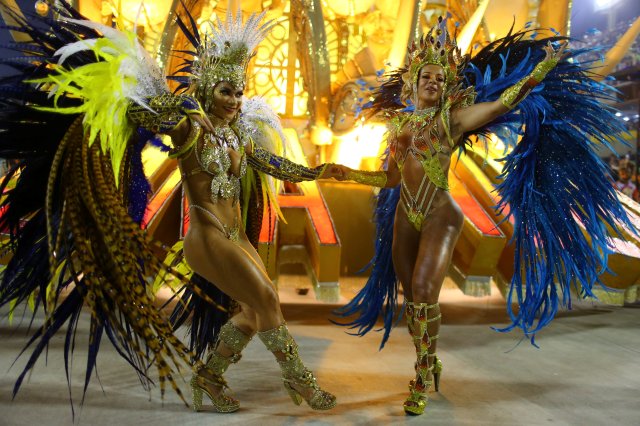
(556, 187)
(205, 321)
(558, 190)
(139, 186)
(379, 296)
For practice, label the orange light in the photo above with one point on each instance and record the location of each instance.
(160, 198)
(362, 142)
(472, 208)
(315, 205)
(311, 199)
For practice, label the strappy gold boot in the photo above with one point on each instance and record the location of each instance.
(420, 318)
(434, 328)
(216, 366)
(295, 375)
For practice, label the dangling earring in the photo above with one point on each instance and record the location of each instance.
(442, 97)
(414, 96)
(236, 117)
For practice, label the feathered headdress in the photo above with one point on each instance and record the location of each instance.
(436, 47)
(223, 54)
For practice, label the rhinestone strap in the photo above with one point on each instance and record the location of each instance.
(232, 233)
(378, 179)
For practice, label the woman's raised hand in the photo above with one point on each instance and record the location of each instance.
(203, 120)
(558, 54)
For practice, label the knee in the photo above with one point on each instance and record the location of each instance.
(455, 221)
(425, 292)
(267, 301)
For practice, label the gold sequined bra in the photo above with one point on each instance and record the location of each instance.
(213, 158)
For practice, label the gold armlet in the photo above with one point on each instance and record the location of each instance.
(280, 167)
(516, 93)
(192, 138)
(165, 112)
(378, 179)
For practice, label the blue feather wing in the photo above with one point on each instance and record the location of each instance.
(379, 296)
(557, 189)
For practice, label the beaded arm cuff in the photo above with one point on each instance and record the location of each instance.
(378, 179)
(167, 112)
(516, 93)
(192, 138)
(281, 168)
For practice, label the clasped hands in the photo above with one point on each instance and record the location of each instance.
(335, 171)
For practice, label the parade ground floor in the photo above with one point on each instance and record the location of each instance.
(586, 371)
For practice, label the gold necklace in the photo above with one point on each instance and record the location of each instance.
(421, 118)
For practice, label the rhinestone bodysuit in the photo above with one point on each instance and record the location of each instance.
(425, 147)
(213, 158)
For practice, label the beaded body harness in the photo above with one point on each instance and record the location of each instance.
(425, 147)
(213, 158)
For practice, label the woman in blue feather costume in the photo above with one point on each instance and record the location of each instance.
(527, 92)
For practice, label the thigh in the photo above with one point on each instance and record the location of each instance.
(438, 238)
(246, 245)
(229, 265)
(404, 251)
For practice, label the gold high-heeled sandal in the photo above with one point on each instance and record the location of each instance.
(296, 378)
(437, 371)
(418, 398)
(426, 373)
(216, 366)
(222, 403)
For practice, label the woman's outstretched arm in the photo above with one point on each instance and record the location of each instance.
(281, 168)
(475, 116)
(172, 115)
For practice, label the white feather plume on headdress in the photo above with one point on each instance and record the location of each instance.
(226, 50)
(233, 35)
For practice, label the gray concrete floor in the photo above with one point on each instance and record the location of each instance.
(586, 372)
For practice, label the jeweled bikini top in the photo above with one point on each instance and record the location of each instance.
(425, 144)
(213, 158)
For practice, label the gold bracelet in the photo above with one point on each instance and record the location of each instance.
(516, 93)
(378, 179)
(192, 138)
